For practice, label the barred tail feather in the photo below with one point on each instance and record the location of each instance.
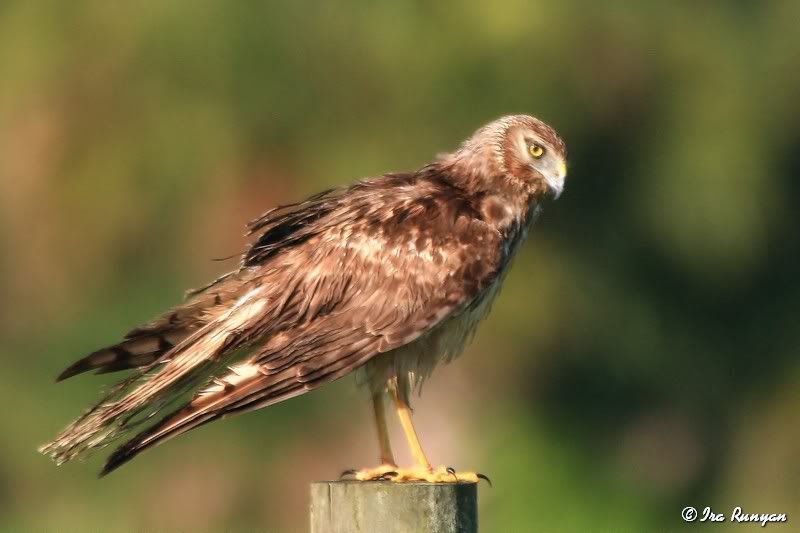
(130, 353)
(146, 344)
(142, 395)
(117, 412)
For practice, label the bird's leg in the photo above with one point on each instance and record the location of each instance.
(422, 471)
(388, 470)
(388, 465)
(404, 414)
(387, 457)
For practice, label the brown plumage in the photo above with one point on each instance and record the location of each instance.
(388, 276)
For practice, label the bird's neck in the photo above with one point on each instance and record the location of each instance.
(503, 203)
(508, 214)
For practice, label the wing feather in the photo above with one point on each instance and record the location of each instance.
(344, 276)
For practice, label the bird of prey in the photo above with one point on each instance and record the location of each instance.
(387, 278)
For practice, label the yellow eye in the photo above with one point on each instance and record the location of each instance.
(536, 150)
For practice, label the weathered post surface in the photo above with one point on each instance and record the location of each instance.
(382, 506)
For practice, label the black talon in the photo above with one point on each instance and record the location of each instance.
(486, 478)
(386, 476)
(348, 472)
(452, 471)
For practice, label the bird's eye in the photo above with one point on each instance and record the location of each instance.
(536, 150)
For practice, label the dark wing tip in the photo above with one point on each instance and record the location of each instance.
(121, 455)
(145, 439)
(73, 370)
(97, 359)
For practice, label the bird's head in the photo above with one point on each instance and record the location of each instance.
(521, 150)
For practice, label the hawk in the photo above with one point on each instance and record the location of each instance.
(388, 278)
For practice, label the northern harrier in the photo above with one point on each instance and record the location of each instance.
(388, 277)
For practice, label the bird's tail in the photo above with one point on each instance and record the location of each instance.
(170, 372)
(244, 387)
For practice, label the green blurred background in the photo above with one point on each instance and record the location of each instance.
(642, 357)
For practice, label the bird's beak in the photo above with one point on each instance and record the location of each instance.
(556, 180)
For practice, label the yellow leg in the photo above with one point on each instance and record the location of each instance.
(404, 414)
(388, 469)
(387, 457)
(422, 471)
(388, 464)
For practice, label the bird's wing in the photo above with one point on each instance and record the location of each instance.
(379, 269)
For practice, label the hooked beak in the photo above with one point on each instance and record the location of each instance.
(556, 180)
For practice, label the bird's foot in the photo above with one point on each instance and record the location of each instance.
(442, 474)
(381, 472)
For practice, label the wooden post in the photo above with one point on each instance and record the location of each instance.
(382, 506)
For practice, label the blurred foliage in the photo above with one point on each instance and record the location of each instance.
(642, 357)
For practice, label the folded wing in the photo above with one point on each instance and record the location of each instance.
(361, 273)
